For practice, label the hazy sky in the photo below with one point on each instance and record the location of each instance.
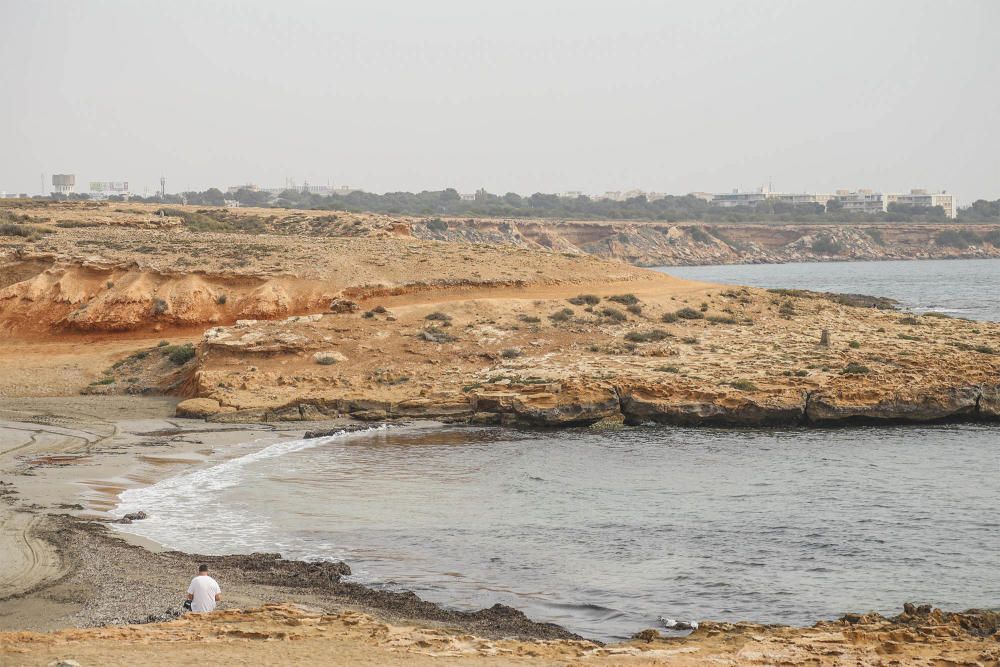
(510, 96)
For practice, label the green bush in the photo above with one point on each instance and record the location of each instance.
(854, 368)
(669, 318)
(854, 344)
(529, 319)
(720, 319)
(439, 316)
(180, 354)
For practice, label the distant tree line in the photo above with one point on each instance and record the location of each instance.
(448, 202)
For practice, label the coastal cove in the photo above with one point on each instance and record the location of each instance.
(626, 541)
(685, 523)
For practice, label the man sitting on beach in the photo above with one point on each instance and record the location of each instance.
(204, 591)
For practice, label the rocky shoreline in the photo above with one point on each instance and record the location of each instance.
(131, 593)
(558, 405)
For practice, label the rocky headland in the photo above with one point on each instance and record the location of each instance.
(298, 315)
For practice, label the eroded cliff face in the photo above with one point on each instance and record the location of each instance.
(678, 244)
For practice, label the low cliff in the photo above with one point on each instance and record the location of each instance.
(678, 244)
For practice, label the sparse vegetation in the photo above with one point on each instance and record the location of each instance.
(436, 335)
(743, 385)
(854, 368)
(221, 299)
(957, 238)
(787, 309)
(612, 313)
(635, 309)
(529, 319)
(699, 234)
(688, 313)
(438, 316)
(29, 232)
(179, 354)
(511, 353)
(585, 299)
(669, 318)
(854, 344)
(624, 299)
(562, 315)
(824, 244)
(159, 306)
(653, 335)
(327, 360)
(720, 319)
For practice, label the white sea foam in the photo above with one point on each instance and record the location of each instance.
(171, 503)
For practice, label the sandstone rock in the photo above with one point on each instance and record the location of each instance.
(575, 403)
(830, 406)
(340, 305)
(198, 408)
(328, 357)
(989, 402)
(670, 405)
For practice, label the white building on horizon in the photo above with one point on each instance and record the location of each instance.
(862, 200)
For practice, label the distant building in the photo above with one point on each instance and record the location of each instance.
(571, 194)
(63, 184)
(323, 190)
(862, 200)
(105, 189)
(467, 196)
(921, 197)
(738, 198)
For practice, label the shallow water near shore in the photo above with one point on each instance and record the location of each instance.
(603, 531)
(961, 288)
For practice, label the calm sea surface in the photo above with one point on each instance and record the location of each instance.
(963, 288)
(604, 531)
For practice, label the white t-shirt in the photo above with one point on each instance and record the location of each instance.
(204, 589)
